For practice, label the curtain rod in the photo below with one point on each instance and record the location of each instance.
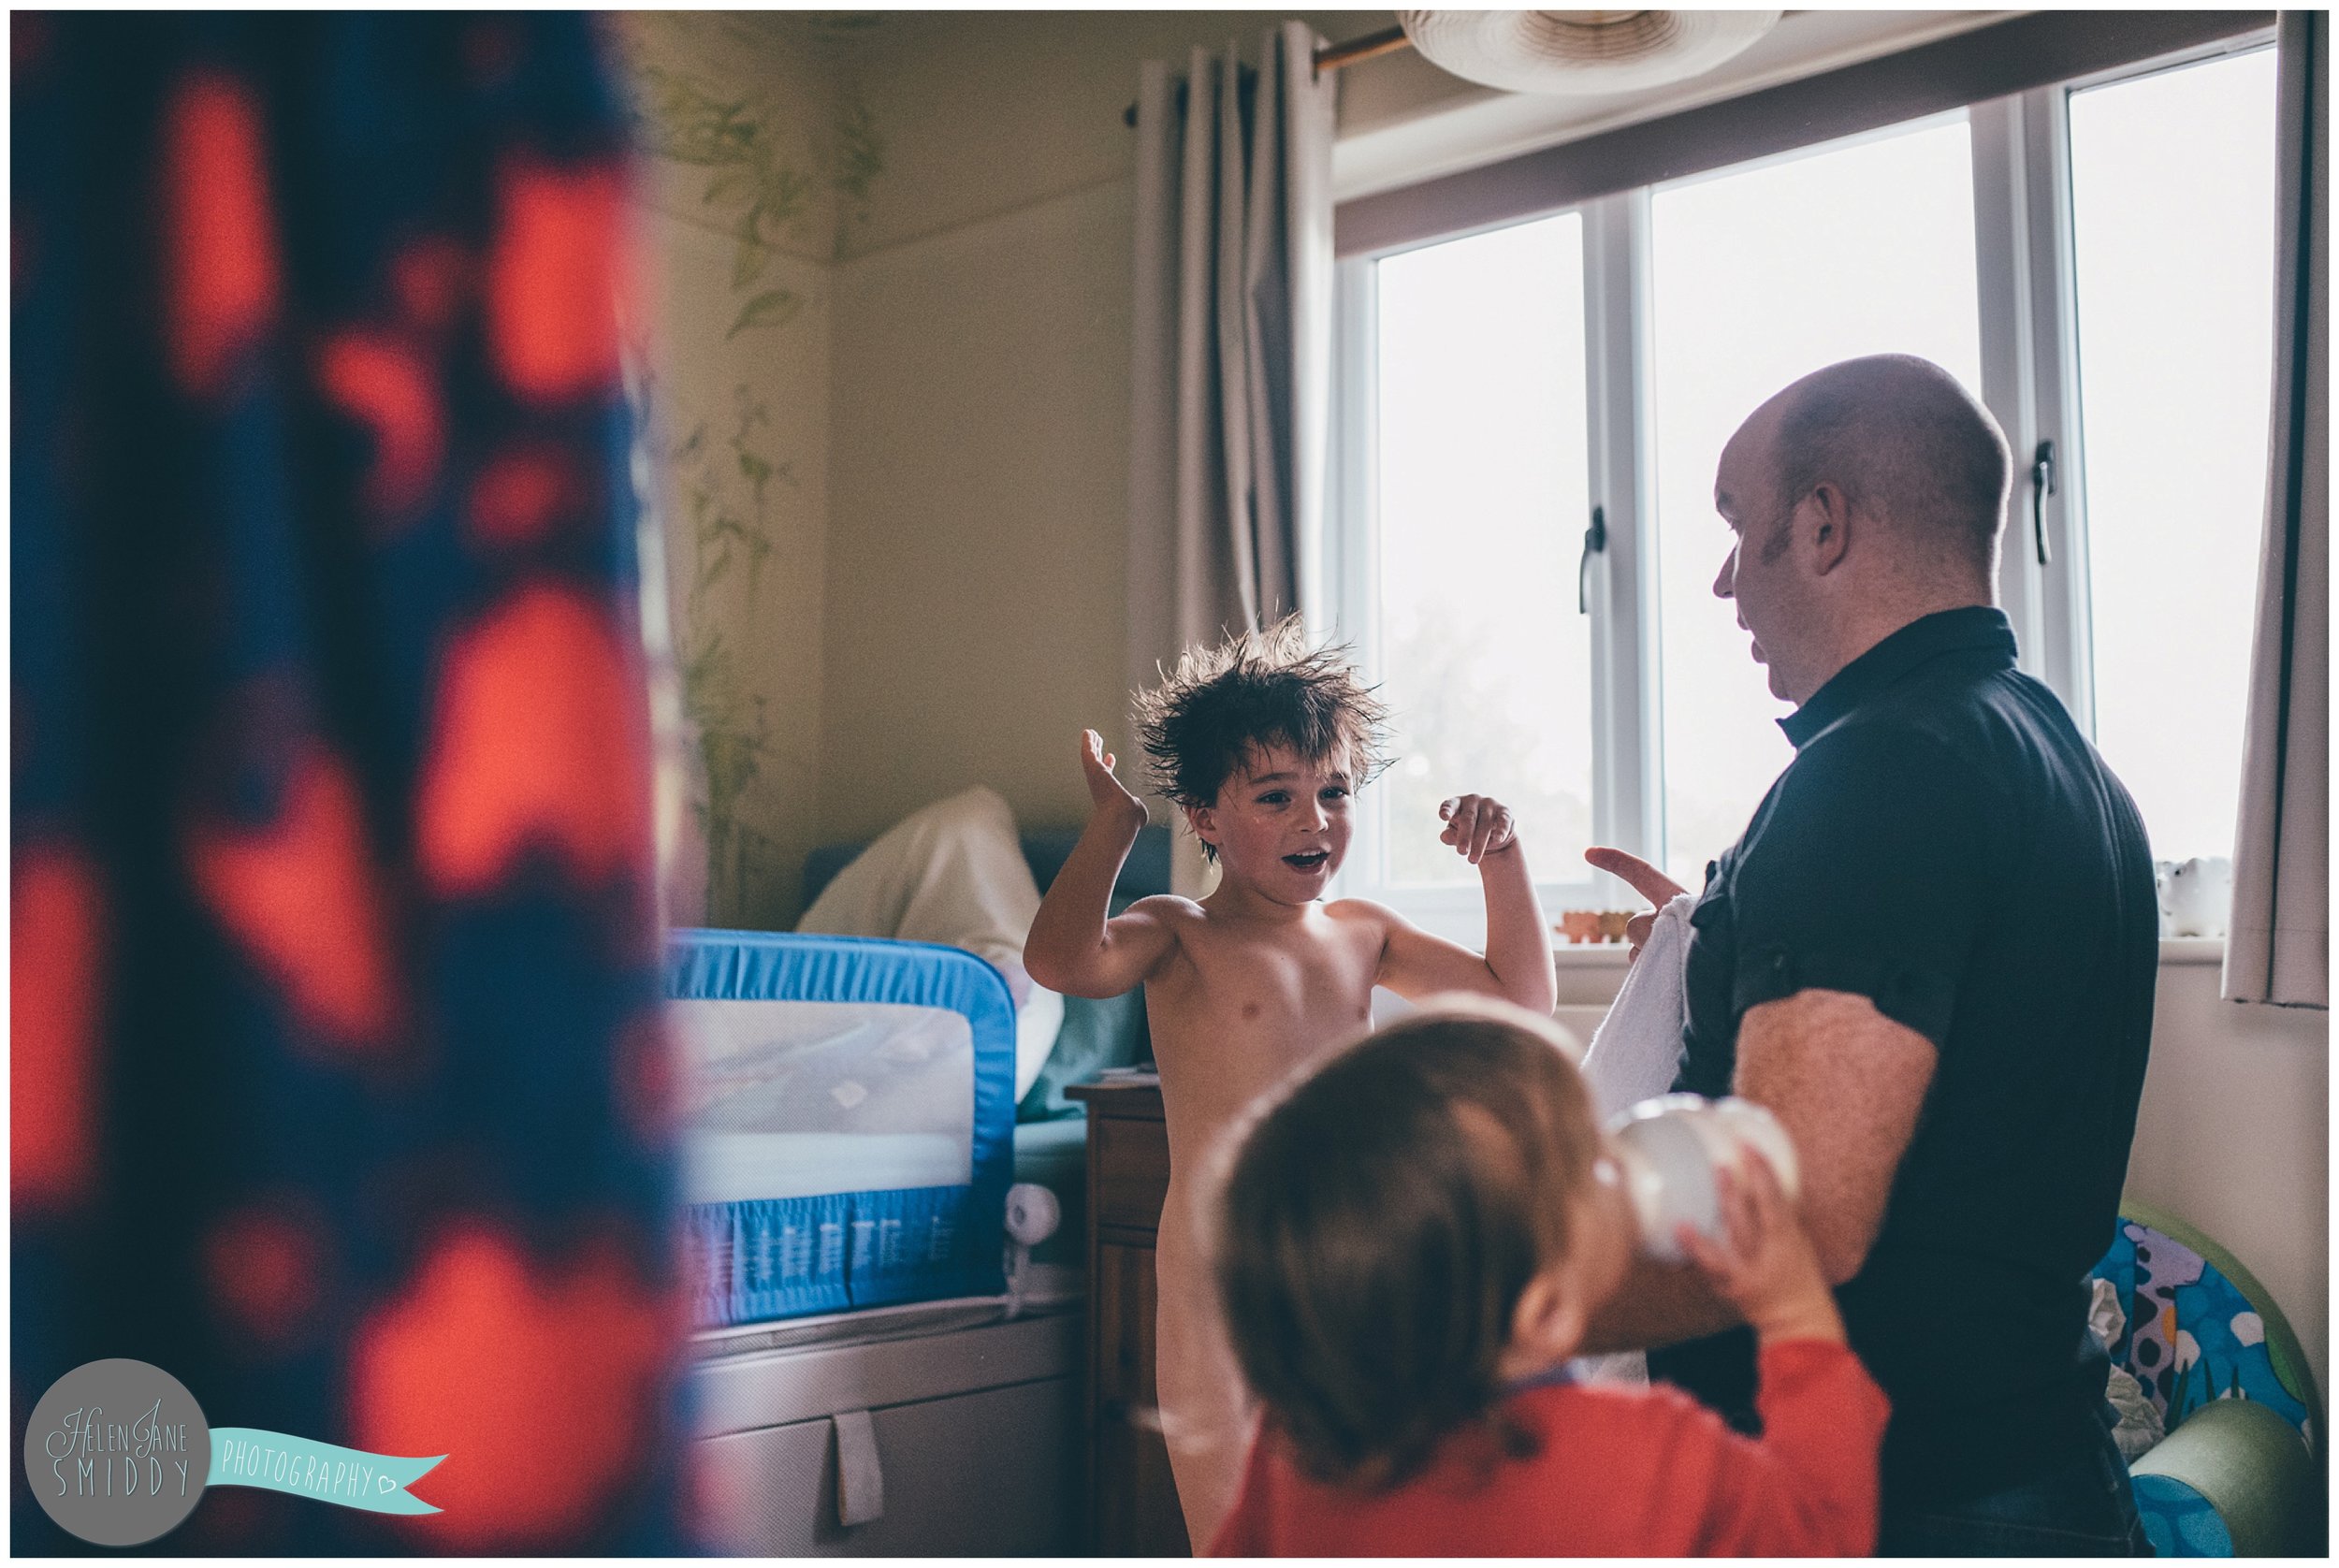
(1332, 57)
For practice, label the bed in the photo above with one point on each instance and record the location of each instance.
(849, 1123)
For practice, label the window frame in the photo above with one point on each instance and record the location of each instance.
(2025, 285)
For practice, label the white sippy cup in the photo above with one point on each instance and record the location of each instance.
(1667, 1149)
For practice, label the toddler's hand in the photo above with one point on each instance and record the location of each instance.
(1107, 793)
(1765, 1264)
(1477, 826)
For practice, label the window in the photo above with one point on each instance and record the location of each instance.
(2094, 260)
(2173, 223)
(1480, 447)
(1864, 248)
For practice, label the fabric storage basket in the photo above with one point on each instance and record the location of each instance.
(848, 1121)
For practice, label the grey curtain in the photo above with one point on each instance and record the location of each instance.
(1231, 359)
(2279, 950)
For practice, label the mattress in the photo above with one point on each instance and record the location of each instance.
(848, 1113)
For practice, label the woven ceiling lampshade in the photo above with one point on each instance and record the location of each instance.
(1581, 52)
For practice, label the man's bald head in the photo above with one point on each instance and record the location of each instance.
(1908, 446)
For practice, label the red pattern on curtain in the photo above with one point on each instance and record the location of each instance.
(338, 1073)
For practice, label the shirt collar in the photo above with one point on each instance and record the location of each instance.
(1557, 1375)
(1975, 627)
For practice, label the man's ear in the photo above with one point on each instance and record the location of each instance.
(1824, 527)
(1548, 1325)
(1203, 820)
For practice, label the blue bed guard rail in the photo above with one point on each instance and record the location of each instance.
(757, 1258)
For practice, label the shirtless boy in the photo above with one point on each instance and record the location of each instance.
(1263, 744)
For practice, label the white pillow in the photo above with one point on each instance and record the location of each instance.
(952, 872)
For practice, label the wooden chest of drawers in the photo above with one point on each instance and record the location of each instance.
(1132, 1501)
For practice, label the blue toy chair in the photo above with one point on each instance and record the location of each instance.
(2240, 1473)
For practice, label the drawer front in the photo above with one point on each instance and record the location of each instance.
(1130, 1168)
(757, 1390)
(989, 1474)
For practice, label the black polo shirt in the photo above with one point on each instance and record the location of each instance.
(1946, 843)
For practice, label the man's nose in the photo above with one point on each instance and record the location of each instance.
(1314, 815)
(1729, 571)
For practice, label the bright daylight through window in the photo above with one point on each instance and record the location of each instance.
(1481, 462)
(2172, 201)
(1762, 275)
(1482, 459)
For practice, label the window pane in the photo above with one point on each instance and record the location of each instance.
(1483, 504)
(2172, 212)
(1759, 277)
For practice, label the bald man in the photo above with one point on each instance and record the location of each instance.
(1932, 955)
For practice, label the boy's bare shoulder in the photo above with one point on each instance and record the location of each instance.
(1173, 909)
(1363, 911)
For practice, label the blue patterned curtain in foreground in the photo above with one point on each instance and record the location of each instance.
(337, 1077)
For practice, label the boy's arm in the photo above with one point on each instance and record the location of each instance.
(1073, 947)
(1517, 965)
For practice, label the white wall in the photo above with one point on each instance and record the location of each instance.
(974, 606)
(2234, 1135)
(976, 599)
(730, 385)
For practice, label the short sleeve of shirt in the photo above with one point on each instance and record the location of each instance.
(1869, 876)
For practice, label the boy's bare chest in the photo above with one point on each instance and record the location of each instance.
(1318, 983)
(1230, 1018)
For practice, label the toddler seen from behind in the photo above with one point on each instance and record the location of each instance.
(1411, 1238)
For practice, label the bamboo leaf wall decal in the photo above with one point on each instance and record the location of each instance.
(770, 307)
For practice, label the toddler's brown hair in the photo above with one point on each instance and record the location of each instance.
(1379, 1221)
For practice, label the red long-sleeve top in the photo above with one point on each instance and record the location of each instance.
(1619, 1471)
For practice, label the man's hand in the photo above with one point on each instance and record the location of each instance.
(1763, 1264)
(1110, 797)
(1477, 826)
(1645, 879)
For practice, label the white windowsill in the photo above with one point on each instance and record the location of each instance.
(1590, 955)
(1611, 955)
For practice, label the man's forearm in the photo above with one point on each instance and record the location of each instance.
(1658, 1304)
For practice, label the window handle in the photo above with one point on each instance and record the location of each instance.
(1595, 541)
(2041, 486)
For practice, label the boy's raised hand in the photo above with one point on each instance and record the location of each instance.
(1477, 826)
(1105, 791)
(1763, 1264)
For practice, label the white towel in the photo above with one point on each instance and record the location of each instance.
(1635, 1054)
(1636, 1050)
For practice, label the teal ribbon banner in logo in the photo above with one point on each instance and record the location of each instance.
(247, 1456)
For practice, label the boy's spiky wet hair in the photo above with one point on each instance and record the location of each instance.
(1258, 688)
